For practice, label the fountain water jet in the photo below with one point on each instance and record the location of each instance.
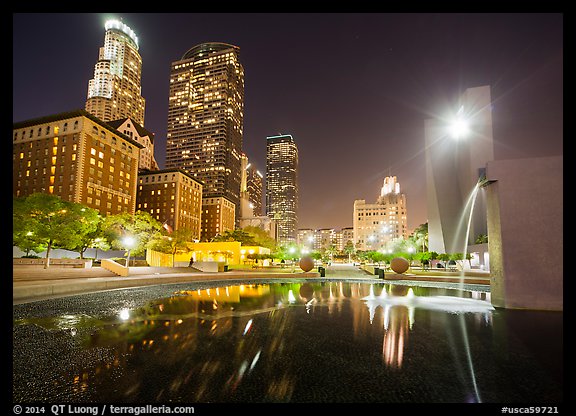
(469, 206)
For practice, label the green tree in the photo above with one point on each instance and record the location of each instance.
(177, 242)
(481, 239)
(49, 220)
(459, 257)
(349, 250)
(420, 237)
(423, 257)
(260, 237)
(245, 238)
(22, 235)
(331, 251)
(377, 257)
(141, 226)
(90, 229)
(445, 257)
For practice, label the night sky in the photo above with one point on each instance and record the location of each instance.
(352, 89)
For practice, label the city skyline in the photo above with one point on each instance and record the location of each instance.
(355, 89)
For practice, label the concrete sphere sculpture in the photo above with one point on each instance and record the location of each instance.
(306, 264)
(399, 265)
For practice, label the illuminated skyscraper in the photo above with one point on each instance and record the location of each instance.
(205, 118)
(377, 225)
(115, 91)
(282, 185)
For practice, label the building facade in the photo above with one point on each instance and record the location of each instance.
(78, 157)
(135, 131)
(347, 234)
(205, 118)
(254, 185)
(282, 185)
(377, 225)
(115, 90)
(454, 164)
(173, 197)
(323, 238)
(305, 238)
(217, 217)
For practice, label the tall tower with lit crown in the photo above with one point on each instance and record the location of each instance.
(115, 91)
(376, 226)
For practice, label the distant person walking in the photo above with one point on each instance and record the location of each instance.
(191, 262)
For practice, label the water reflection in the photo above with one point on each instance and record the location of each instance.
(325, 341)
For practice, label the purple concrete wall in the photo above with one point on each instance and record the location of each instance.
(525, 232)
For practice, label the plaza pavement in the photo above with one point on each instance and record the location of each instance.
(32, 283)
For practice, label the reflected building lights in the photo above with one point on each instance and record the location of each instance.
(226, 351)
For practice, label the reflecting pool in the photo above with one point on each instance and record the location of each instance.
(311, 341)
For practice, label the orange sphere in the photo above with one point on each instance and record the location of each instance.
(306, 264)
(399, 265)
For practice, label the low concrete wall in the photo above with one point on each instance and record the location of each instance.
(114, 267)
(207, 266)
(80, 263)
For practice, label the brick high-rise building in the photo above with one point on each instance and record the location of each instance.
(173, 197)
(78, 157)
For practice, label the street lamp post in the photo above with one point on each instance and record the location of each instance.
(129, 244)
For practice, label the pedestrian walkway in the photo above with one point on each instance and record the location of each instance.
(32, 283)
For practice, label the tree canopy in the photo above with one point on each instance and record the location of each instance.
(42, 220)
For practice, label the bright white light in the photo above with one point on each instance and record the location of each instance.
(459, 129)
(449, 304)
(255, 360)
(118, 25)
(129, 242)
(124, 314)
(248, 326)
(291, 297)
